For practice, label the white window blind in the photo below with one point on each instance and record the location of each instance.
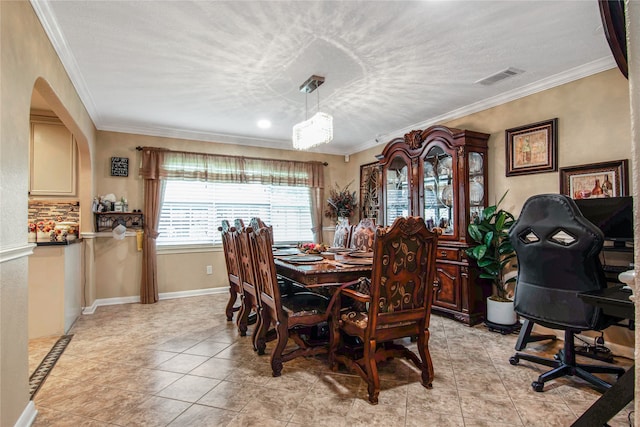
(192, 211)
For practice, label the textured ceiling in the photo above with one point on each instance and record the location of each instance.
(211, 70)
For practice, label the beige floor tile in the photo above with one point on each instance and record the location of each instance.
(207, 347)
(188, 388)
(155, 411)
(179, 362)
(230, 396)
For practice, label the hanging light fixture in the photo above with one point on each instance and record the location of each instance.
(319, 128)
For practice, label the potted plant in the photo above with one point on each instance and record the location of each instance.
(494, 254)
(341, 203)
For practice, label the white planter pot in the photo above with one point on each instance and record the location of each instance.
(501, 313)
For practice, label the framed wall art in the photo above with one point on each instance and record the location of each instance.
(605, 179)
(369, 197)
(532, 148)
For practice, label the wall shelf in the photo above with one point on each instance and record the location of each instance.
(105, 221)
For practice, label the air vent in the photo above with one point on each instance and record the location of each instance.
(504, 74)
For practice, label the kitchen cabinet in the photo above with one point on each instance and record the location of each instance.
(440, 174)
(52, 158)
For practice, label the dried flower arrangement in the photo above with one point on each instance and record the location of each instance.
(341, 202)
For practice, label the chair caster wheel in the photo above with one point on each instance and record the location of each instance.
(514, 360)
(537, 386)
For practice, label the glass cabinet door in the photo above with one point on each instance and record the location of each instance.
(397, 190)
(477, 200)
(439, 190)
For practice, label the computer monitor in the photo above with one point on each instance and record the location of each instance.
(613, 215)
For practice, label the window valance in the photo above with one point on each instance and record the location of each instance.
(158, 163)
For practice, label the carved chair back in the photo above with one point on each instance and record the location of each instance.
(363, 235)
(403, 273)
(342, 236)
(230, 248)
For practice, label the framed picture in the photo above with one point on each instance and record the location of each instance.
(369, 198)
(119, 166)
(606, 179)
(532, 148)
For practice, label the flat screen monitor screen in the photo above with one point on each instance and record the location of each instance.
(613, 215)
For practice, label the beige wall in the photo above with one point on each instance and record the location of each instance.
(27, 59)
(117, 263)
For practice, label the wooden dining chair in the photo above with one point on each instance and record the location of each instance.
(363, 235)
(398, 305)
(233, 269)
(342, 235)
(248, 282)
(293, 316)
(287, 286)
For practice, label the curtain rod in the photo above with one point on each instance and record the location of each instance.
(139, 148)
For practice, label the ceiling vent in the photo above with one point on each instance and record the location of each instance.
(504, 74)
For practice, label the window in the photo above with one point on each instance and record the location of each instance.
(192, 211)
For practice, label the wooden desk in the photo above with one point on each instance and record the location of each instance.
(613, 301)
(328, 271)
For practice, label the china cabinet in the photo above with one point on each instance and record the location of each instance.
(440, 174)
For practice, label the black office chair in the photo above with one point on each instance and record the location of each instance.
(557, 251)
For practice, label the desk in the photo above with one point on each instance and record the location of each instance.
(613, 301)
(327, 271)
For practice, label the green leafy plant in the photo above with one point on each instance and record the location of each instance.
(494, 251)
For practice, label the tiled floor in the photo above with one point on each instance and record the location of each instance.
(180, 363)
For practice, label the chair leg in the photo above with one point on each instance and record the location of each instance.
(243, 316)
(371, 368)
(525, 336)
(427, 364)
(334, 342)
(260, 332)
(276, 355)
(233, 296)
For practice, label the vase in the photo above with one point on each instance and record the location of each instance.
(501, 312)
(342, 220)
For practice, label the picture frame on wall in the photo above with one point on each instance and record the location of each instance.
(604, 179)
(369, 196)
(532, 148)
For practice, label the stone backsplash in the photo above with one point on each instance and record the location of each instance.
(54, 211)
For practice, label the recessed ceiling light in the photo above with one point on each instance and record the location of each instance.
(264, 124)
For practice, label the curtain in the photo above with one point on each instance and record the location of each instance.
(159, 164)
(150, 172)
(315, 195)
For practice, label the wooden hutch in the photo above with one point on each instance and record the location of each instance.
(440, 174)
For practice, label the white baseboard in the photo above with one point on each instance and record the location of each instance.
(28, 416)
(165, 295)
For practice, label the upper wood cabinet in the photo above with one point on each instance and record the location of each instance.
(52, 158)
(440, 174)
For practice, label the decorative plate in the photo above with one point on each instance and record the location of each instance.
(304, 259)
(286, 252)
(357, 261)
(337, 249)
(361, 254)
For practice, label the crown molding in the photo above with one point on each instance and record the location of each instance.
(48, 21)
(586, 70)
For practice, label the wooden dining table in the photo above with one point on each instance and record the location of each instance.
(343, 268)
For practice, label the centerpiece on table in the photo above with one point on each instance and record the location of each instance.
(312, 248)
(341, 203)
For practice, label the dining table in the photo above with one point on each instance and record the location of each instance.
(324, 269)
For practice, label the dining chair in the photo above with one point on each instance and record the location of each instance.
(233, 269)
(287, 286)
(342, 235)
(397, 305)
(363, 235)
(248, 282)
(292, 316)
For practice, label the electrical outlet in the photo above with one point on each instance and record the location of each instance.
(209, 269)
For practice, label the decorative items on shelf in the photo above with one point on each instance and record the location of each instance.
(341, 202)
(104, 221)
(109, 203)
